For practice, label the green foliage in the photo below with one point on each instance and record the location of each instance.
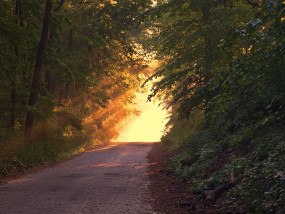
(189, 43)
(254, 155)
(236, 75)
(91, 70)
(49, 145)
(178, 130)
(89, 42)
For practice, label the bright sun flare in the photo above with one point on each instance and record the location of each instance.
(148, 126)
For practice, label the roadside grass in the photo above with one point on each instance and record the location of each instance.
(180, 130)
(50, 145)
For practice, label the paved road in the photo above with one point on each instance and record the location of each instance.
(110, 180)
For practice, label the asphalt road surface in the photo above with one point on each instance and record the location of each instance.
(111, 180)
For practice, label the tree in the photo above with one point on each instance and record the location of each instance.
(81, 44)
(38, 67)
(189, 42)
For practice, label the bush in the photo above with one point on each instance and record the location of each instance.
(48, 145)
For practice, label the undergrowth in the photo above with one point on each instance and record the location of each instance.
(242, 134)
(255, 156)
(50, 145)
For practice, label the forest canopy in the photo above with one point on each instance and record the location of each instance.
(70, 68)
(66, 58)
(223, 77)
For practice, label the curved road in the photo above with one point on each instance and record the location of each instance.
(111, 180)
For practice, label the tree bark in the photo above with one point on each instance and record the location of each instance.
(38, 68)
(13, 102)
(48, 79)
(13, 79)
(66, 94)
(212, 195)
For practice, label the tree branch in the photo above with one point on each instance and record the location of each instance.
(60, 4)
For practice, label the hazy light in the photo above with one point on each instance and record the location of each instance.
(148, 126)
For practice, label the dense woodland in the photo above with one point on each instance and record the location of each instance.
(224, 79)
(69, 69)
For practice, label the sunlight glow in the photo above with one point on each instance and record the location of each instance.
(148, 126)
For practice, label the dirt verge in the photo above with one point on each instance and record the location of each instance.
(169, 194)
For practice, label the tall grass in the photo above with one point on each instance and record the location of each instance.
(180, 130)
(50, 145)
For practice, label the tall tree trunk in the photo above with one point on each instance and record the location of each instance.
(13, 79)
(38, 68)
(13, 102)
(70, 50)
(48, 79)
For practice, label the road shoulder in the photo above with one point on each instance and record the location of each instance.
(170, 196)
